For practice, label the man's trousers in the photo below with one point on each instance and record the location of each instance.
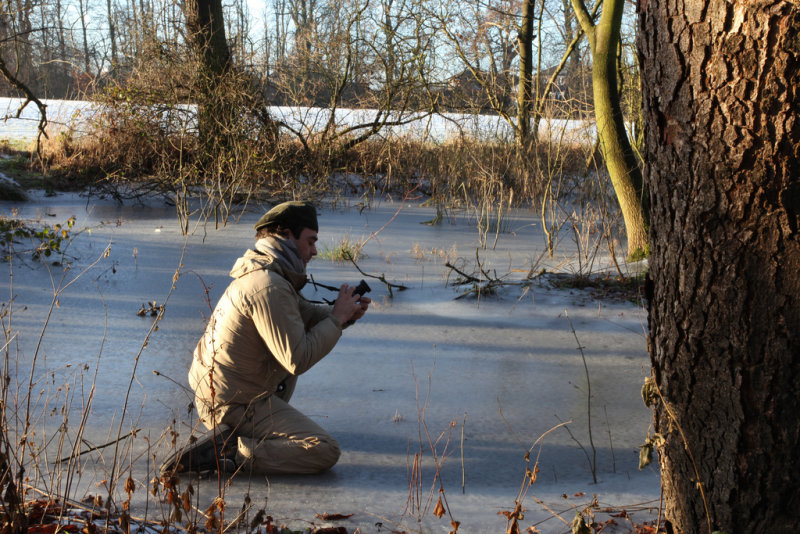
(275, 438)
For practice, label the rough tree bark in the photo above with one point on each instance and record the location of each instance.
(721, 93)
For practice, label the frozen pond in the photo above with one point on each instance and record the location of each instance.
(480, 380)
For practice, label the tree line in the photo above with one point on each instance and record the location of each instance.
(521, 60)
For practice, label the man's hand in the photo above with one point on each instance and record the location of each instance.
(349, 307)
(364, 302)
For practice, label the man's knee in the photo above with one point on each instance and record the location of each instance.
(326, 453)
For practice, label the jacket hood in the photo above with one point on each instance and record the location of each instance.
(253, 261)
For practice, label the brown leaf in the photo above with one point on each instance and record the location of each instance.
(219, 502)
(533, 474)
(439, 511)
(187, 501)
(513, 528)
(455, 525)
(333, 517)
(130, 485)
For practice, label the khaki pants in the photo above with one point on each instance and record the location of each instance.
(274, 438)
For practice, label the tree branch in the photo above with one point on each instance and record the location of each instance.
(29, 97)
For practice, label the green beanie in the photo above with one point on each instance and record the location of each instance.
(292, 215)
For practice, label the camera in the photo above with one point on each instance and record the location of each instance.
(361, 288)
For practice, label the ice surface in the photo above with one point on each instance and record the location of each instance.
(480, 379)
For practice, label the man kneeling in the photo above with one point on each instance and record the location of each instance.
(261, 336)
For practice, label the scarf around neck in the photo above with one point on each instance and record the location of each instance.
(284, 252)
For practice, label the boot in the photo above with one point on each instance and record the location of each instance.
(212, 451)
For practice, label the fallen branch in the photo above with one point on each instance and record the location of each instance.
(389, 285)
(467, 277)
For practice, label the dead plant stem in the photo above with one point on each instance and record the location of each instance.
(700, 485)
(58, 289)
(153, 327)
(593, 461)
(96, 447)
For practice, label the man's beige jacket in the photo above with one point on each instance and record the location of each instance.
(262, 333)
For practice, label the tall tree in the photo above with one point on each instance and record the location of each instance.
(82, 12)
(304, 14)
(572, 30)
(722, 139)
(206, 26)
(618, 155)
(525, 38)
(112, 32)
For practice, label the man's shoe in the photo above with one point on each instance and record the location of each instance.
(214, 450)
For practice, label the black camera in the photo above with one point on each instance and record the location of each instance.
(361, 288)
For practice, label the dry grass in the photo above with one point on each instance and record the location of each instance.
(129, 153)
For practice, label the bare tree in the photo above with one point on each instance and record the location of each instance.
(524, 91)
(82, 12)
(206, 28)
(618, 155)
(10, 39)
(112, 31)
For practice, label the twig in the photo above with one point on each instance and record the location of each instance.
(97, 447)
(180, 385)
(593, 461)
(323, 286)
(699, 482)
(610, 442)
(553, 512)
(467, 277)
(382, 278)
(112, 479)
(406, 196)
(585, 452)
(463, 471)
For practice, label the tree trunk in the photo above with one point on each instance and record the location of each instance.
(82, 9)
(206, 26)
(722, 143)
(572, 31)
(112, 33)
(524, 94)
(620, 161)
